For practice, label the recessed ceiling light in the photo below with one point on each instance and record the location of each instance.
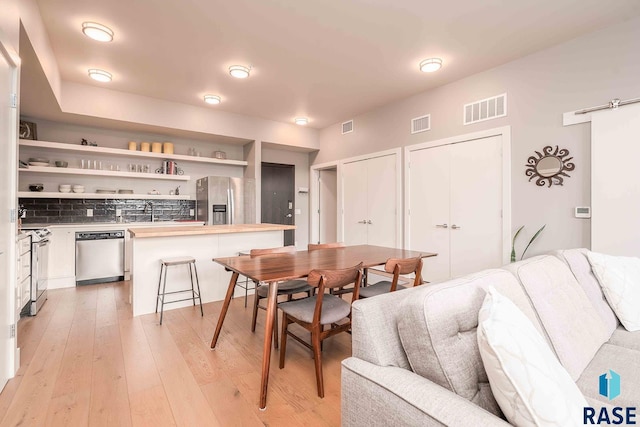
(239, 71)
(100, 75)
(97, 31)
(430, 65)
(301, 121)
(212, 99)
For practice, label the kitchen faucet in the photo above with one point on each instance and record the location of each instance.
(150, 205)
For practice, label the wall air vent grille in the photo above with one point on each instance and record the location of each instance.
(485, 109)
(347, 127)
(421, 124)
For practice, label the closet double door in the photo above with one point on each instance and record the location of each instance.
(370, 201)
(455, 206)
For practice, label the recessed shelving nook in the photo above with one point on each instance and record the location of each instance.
(108, 177)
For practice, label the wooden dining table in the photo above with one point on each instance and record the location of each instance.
(271, 269)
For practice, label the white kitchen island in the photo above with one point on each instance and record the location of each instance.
(150, 244)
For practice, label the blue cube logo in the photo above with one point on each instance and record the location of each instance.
(610, 387)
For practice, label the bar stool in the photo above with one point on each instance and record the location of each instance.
(165, 263)
(246, 283)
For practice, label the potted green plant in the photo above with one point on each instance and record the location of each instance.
(513, 242)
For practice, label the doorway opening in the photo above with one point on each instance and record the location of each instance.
(278, 197)
(324, 203)
(328, 205)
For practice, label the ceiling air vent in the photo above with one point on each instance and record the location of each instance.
(485, 109)
(421, 124)
(347, 127)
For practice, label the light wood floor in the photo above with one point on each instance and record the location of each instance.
(87, 361)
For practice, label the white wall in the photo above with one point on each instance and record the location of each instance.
(32, 22)
(301, 162)
(127, 107)
(587, 71)
(10, 24)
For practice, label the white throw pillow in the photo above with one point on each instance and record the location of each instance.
(528, 382)
(619, 278)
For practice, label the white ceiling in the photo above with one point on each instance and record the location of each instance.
(329, 60)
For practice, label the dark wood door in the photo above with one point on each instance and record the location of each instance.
(278, 197)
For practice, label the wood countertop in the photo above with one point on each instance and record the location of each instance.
(198, 230)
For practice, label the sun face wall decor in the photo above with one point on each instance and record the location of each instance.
(549, 167)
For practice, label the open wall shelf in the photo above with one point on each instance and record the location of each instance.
(57, 195)
(58, 146)
(98, 172)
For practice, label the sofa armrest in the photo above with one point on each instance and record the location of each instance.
(385, 395)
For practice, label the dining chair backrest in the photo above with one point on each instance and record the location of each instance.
(399, 266)
(269, 251)
(328, 279)
(316, 246)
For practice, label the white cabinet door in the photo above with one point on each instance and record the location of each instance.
(370, 202)
(382, 202)
(62, 255)
(128, 246)
(455, 206)
(476, 205)
(355, 201)
(429, 176)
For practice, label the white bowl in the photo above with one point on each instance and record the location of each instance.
(78, 190)
(64, 190)
(78, 186)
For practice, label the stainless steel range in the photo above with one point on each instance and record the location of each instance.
(39, 263)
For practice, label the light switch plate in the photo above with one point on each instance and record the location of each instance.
(192, 212)
(298, 212)
(118, 212)
(89, 212)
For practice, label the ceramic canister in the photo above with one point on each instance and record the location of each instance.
(167, 148)
(156, 147)
(133, 146)
(144, 146)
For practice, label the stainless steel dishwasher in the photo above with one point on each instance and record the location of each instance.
(99, 257)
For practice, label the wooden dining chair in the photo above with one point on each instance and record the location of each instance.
(337, 245)
(320, 311)
(396, 266)
(316, 246)
(288, 288)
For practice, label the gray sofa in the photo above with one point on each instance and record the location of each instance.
(416, 359)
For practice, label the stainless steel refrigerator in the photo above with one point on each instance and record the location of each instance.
(224, 200)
